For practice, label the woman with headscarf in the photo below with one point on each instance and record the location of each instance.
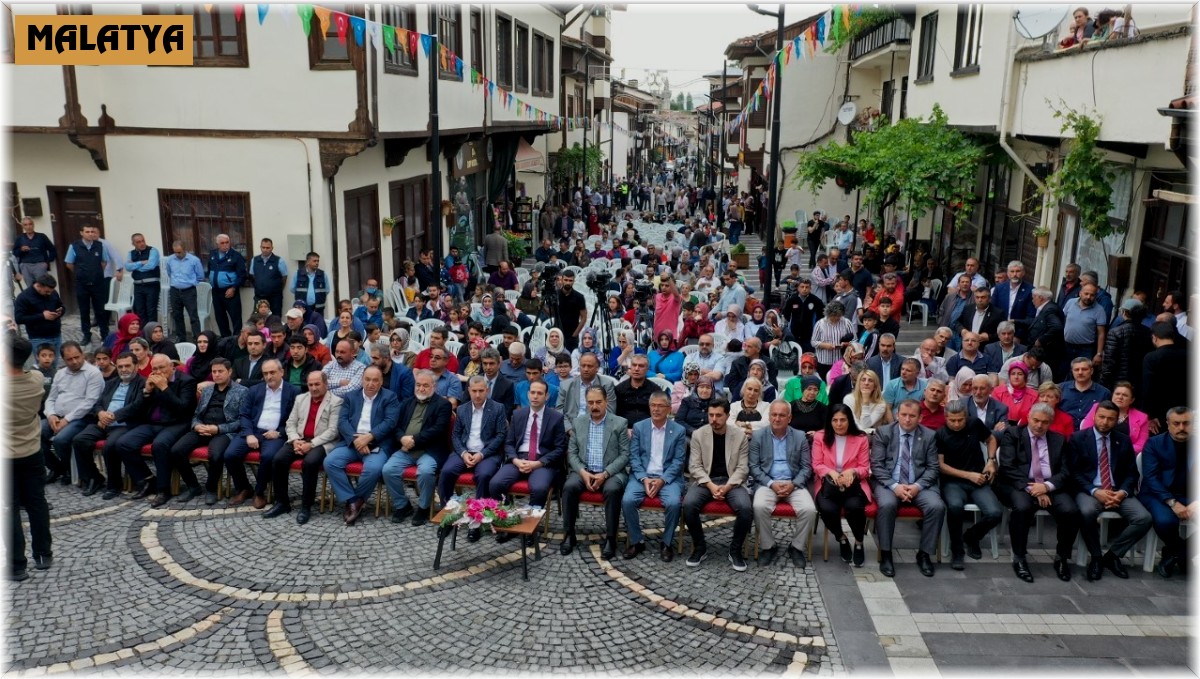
(491, 317)
(555, 346)
(1016, 394)
(758, 370)
(312, 339)
(794, 389)
(621, 355)
(696, 323)
(758, 318)
(693, 409)
(666, 362)
(686, 386)
(960, 387)
(472, 366)
(808, 413)
(731, 325)
(771, 331)
(587, 344)
(198, 366)
(128, 327)
(159, 344)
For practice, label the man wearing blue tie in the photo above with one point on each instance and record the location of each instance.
(657, 453)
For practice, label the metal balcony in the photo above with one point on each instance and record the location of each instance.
(896, 31)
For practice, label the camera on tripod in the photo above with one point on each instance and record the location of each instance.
(643, 290)
(599, 280)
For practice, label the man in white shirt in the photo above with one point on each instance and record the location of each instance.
(657, 453)
(75, 389)
(712, 363)
(477, 444)
(972, 271)
(366, 423)
(265, 411)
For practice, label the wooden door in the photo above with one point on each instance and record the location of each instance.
(70, 208)
(409, 201)
(363, 259)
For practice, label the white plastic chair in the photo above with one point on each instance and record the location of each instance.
(203, 304)
(935, 287)
(794, 347)
(186, 350)
(420, 332)
(120, 296)
(665, 384)
(522, 270)
(689, 352)
(512, 295)
(495, 340)
(453, 346)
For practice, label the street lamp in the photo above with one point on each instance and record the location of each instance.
(772, 210)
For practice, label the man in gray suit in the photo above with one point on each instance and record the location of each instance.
(781, 466)
(657, 453)
(597, 459)
(980, 404)
(904, 464)
(719, 463)
(571, 395)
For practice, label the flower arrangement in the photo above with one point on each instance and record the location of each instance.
(475, 512)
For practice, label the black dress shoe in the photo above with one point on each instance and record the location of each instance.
(420, 516)
(474, 534)
(667, 553)
(399, 515)
(799, 559)
(956, 562)
(160, 500)
(568, 545)
(143, 491)
(19, 576)
(303, 515)
(1113, 563)
(1062, 568)
(188, 495)
(1021, 568)
(632, 551)
(43, 561)
(860, 555)
(64, 480)
(277, 509)
(52, 476)
(110, 494)
(767, 556)
(1095, 569)
(844, 546)
(609, 549)
(1166, 567)
(504, 536)
(210, 498)
(92, 487)
(925, 564)
(885, 563)
(972, 547)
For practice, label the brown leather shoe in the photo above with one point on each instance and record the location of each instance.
(240, 498)
(667, 553)
(355, 507)
(259, 502)
(632, 551)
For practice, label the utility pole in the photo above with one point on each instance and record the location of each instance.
(772, 211)
(587, 74)
(435, 151)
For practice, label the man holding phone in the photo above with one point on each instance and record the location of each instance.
(966, 478)
(40, 310)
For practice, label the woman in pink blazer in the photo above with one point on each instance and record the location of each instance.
(1137, 422)
(841, 458)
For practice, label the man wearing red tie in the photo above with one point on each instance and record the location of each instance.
(533, 450)
(1105, 470)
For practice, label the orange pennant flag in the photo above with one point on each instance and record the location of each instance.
(323, 15)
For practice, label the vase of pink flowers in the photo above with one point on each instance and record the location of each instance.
(479, 512)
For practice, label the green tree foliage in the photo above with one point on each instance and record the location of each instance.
(1084, 176)
(860, 24)
(689, 106)
(572, 162)
(920, 163)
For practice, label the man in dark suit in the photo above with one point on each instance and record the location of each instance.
(886, 363)
(108, 422)
(366, 437)
(421, 441)
(247, 370)
(1033, 475)
(163, 414)
(904, 464)
(597, 457)
(499, 387)
(1162, 388)
(1166, 492)
(1015, 297)
(1105, 470)
(533, 450)
(264, 414)
(572, 399)
(1005, 347)
(477, 445)
(981, 319)
(1045, 329)
(657, 452)
(981, 401)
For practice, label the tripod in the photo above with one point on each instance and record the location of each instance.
(602, 319)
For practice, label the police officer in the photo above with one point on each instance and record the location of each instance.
(269, 272)
(226, 273)
(87, 258)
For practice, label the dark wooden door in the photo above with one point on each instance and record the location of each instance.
(362, 236)
(409, 202)
(70, 208)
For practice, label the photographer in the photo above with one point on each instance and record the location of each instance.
(571, 314)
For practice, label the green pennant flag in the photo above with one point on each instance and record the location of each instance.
(389, 38)
(305, 12)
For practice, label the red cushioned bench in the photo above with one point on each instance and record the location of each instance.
(907, 512)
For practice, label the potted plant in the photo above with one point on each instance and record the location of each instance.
(389, 223)
(738, 254)
(518, 248)
(1042, 234)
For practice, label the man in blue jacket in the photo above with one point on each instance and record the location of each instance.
(657, 453)
(477, 444)
(226, 273)
(366, 423)
(1166, 491)
(264, 413)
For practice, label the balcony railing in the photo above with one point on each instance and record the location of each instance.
(895, 31)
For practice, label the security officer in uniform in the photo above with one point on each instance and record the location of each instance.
(226, 273)
(268, 272)
(147, 282)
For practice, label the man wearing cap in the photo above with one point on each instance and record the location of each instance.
(40, 310)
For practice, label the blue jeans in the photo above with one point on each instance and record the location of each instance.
(60, 459)
(635, 494)
(393, 478)
(335, 471)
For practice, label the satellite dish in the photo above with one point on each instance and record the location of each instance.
(1037, 21)
(847, 112)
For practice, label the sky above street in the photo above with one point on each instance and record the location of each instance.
(685, 40)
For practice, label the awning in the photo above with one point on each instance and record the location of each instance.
(528, 159)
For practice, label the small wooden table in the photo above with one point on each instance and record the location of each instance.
(528, 527)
